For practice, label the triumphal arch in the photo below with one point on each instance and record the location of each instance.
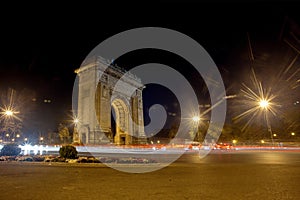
(105, 90)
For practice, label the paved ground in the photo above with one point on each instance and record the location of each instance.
(247, 175)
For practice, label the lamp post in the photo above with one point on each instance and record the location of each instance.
(75, 131)
(41, 140)
(196, 120)
(8, 114)
(264, 104)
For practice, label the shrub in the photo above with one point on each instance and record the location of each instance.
(10, 150)
(68, 151)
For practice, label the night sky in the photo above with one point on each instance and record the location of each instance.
(40, 47)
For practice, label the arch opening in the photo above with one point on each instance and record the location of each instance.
(120, 123)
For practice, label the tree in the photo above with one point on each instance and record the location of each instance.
(68, 151)
(173, 131)
(63, 132)
(10, 150)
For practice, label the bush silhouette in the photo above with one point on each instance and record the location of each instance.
(68, 151)
(10, 150)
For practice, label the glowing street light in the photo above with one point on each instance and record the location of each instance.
(292, 133)
(25, 139)
(76, 121)
(264, 103)
(8, 113)
(196, 119)
(195, 125)
(259, 101)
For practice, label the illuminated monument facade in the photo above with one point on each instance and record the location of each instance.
(98, 97)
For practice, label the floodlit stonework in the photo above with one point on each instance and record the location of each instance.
(101, 88)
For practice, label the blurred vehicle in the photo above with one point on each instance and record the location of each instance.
(193, 146)
(206, 147)
(223, 146)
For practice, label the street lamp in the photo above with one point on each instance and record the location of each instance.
(292, 134)
(76, 121)
(75, 131)
(41, 140)
(196, 119)
(8, 113)
(264, 103)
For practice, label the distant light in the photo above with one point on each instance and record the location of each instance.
(293, 133)
(172, 114)
(18, 135)
(25, 139)
(274, 134)
(7, 135)
(234, 141)
(41, 138)
(158, 141)
(262, 141)
(13, 139)
(47, 101)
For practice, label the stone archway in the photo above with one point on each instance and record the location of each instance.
(97, 96)
(122, 115)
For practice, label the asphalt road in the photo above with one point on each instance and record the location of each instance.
(220, 175)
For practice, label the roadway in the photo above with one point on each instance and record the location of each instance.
(220, 175)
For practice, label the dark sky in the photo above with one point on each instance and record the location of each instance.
(40, 47)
